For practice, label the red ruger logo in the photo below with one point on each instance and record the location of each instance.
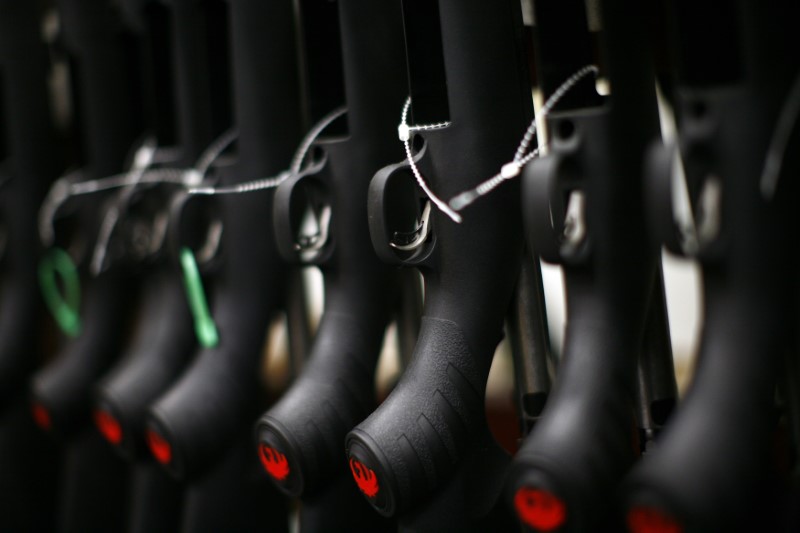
(539, 509)
(40, 416)
(274, 462)
(159, 447)
(650, 520)
(365, 478)
(108, 426)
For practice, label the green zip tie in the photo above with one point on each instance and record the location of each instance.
(64, 307)
(204, 326)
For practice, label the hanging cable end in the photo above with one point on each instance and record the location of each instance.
(455, 217)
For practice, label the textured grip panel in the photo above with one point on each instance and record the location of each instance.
(418, 435)
(585, 436)
(306, 428)
(162, 346)
(199, 418)
(63, 389)
(709, 468)
(196, 419)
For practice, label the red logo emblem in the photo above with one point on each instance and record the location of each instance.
(108, 426)
(365, 478)
(649, 520)
(159, 447)
(539, 509)
(274, 462)
(40, 416)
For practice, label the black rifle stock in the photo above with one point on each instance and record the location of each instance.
(710, 470)
(336, 390)
(94, 483)
(581, 447)
(204, 419)
(199, 427)
(426, 455)
(160, 348)
(197, 108)
(29, 158)
(110, 124)
(164, 337)
(29, 161)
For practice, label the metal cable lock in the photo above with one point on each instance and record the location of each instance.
(508, 171)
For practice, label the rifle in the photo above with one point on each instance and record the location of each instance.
(736, 98)
(303, 432)
(426, 454)
(94, 482)
(183, 62)
(163, 340)
(590, 184)
(199, 428)
(27, 129)
(29, 161)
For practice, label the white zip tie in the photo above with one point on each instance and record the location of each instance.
(295, 168)
(57, 194)
(404, 131)
(68, 186)
(140, 173)
(214, 150)
(117, 181)
(189, 177)
(251, 186)
(142, 159)
(311, 137)
(514, 168)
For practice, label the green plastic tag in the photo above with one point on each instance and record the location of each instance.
(204, 326)
(64, 307)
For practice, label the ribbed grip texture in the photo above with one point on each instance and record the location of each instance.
(416, 437)
(340, 379)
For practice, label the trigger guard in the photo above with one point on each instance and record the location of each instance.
(539, 185)
(285, 236)
(379, 231)
(179, 226)
(658, 200)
